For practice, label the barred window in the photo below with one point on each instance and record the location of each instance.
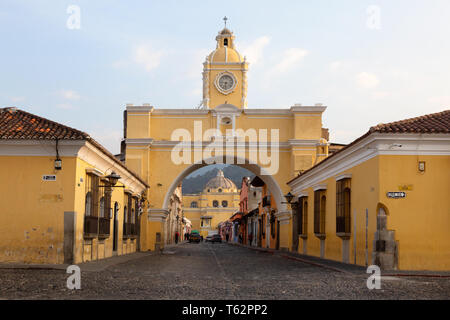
(320, 201)
(102, 207)
(215, 203)
(88, 204)
(92, 195)
(303, 216)
(194, 204)
(343, 206)
(224, 203)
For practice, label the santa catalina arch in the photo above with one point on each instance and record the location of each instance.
(164, 145)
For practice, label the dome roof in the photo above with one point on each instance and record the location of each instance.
(225, 31)
(220, 182)
(225, 54)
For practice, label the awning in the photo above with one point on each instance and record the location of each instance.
(236, 216)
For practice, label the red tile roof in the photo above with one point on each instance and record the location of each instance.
(19, 124)
(431, 123)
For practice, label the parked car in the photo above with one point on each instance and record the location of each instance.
(194, 237)
(216, 238)
(209, 239)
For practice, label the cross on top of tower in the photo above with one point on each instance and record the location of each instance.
(225, 19)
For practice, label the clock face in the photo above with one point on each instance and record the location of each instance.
(226, 82)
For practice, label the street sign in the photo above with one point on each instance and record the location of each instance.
(396, 195)
(49, 178)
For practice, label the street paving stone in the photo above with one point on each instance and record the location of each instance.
(213, 271)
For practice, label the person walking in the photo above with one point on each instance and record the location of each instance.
(177, 235)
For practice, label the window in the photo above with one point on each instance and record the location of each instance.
(220, 190)
(91, 209)
(102, 207)
(303, 216)
(194, 204)
(127, 214)
(206, 222)
(92, 194)
(88, 204)
(224, 203)
(343, 206)
(320, 201)
(215, 203)
(272, 225)
(225, 42)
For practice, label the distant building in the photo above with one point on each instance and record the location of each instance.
(216, 203)
(174, 221)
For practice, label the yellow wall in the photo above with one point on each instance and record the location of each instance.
(87, 250)
(364, 195)
(421, 220)
(32, 210)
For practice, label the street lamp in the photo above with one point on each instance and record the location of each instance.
(113, 178)
(289, 197)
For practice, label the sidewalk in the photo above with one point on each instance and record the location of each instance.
(91, 266)
(345, 267)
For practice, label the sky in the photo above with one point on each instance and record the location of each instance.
(369, 62)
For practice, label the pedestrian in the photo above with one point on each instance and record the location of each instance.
(176, 237)
(226, 237)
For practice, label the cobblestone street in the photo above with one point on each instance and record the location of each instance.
(213, 271)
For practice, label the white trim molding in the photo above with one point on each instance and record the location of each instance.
(344, 176)
(369, 147)
(157, 215)
(320, 187)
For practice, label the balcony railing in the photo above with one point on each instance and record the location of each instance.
(104, 227)
(96, 227)
(90, 226)
(343, 224)
(129, 230)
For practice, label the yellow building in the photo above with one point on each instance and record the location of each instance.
(174, 221)
(165, 145)
(383, 199)
(218, 201)
(58, 203)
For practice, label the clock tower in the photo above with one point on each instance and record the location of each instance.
(225, 74)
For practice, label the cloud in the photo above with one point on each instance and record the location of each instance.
(254, 50)
(335, 65)
(17, 99)
(367, 80)
(148, 57)
(69, 95)
(290, 59)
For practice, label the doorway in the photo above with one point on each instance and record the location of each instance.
(115, 224)
(278, 235)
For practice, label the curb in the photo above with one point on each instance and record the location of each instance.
(320, 265)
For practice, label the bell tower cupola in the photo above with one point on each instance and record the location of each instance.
(225, 73)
